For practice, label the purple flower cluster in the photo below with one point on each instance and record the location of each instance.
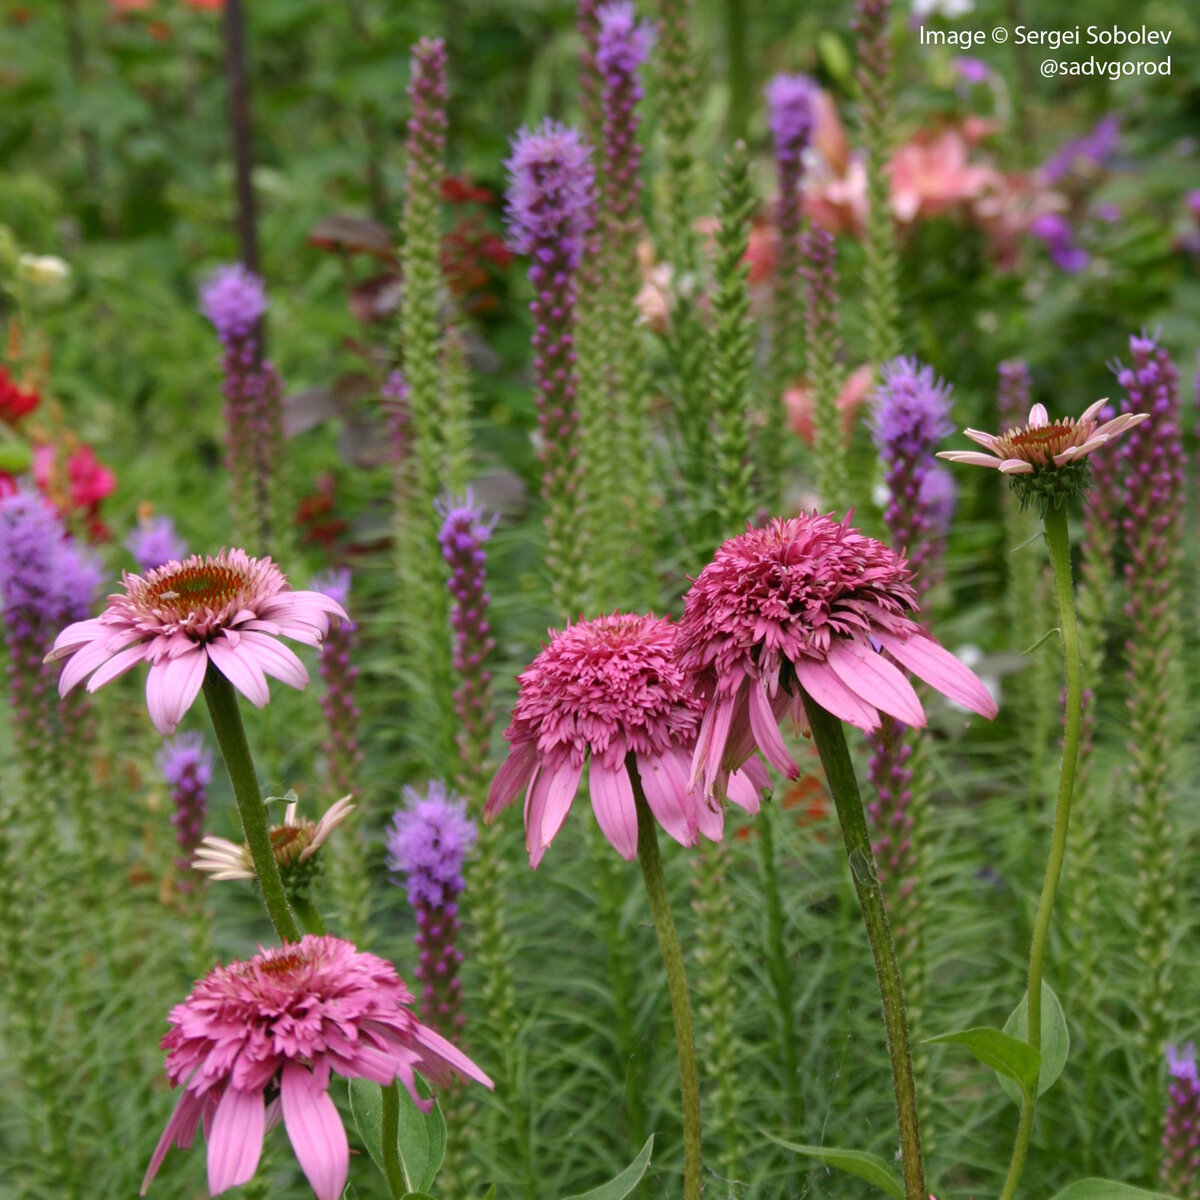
(154, 542)
(462, 538)
(234, 300)
(428, 843)
(1056, 232)
(1181, 1133)
(549, 200)
(622, 42)
(425, 140)
(343, 756)
(1085, 155)
(186, 765)
(791, 114)
(1014, 394)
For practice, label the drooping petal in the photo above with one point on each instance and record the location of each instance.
(971, 457)
(747, 786)
(710, 817)
(511, 780)
(78, 634)
(710, 744)
(180, 1130)
(767, 735)
(665, 783)
(822, 683)
(549, 802)
(83, 662)
(244, 673)
(437, 1047)
(181, 680)
(1016, 466)
(315, 1131)
(116, 666)
(235, 1139)
(612, 802)
(873, 678)
(932, 662)
(276, 659)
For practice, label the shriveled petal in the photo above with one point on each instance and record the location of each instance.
(180, 1131)
(315, 1131)
(932, 662)
(1016, 466)
(822, 683)
(710, 817)
(549, 802)
(665, 782)
(767, 735)
(244, 673)
(235, 1139)
(511, 780)
(971, 457)
(612, 802)
(875, 680)
(1038, 416)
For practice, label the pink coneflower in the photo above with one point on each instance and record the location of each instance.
(806, 603)
(1041, 443)
(228, 609)
(279, 1025)
(608, 689)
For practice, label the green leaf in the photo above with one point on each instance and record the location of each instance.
(421, 1137)
(623, 1184)
(1000, 1051)
(1105, 1189)
(349, 1193)
(1056, 1041)
(870, 1167)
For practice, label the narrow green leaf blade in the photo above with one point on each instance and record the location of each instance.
(870, 1167)
(1000, 1051)
(620, 1187)
(1056, 1041)
(1106, 1189)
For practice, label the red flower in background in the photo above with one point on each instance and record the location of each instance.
(77, 487)
(15, 401)
(316, 517)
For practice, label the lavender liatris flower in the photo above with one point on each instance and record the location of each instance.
(227, 610)
(155, 542)
(791, 115)
(427, 844)
(343, 757)
(357, 1023)
(1181, 1132)
(549, 205)
(186, 765)
(1152, 464)
(464, 533)
(234, 300)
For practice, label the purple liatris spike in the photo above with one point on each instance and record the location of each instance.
(427, 845)
(186, 765)
(1181, 1131)
(910, 415)
(397, 418)
(343, 757)
(234, 300)
(1152, 466)
(549, 205)
(156, 542)
(464, 533)
(1014, 393)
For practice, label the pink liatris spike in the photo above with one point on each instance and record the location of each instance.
(279, 1025)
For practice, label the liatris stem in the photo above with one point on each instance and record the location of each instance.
(231, 738)
(874, 80)
(1058, 542)
(681, 1007)
(830, 740)
(438, 964)
(820, 273)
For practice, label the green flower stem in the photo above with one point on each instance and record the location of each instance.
(231, 737)
(390, 1135)
(1058, 540)
(830, 741)
(681, 1006)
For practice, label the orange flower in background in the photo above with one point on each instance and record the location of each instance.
(799, 402)
(931, 174)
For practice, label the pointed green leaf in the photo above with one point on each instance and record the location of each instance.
(420, 1138)
(870, 1167)
(349, 1193)
(1105, 1189)
(1056, 1040)
(1000, 1051)
(623, 1184)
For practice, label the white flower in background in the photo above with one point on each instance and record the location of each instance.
(950, 9)
(43, 270)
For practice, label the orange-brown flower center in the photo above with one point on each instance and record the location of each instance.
(281, 964)
(1041, 436)
(289, 841)
(207, 586)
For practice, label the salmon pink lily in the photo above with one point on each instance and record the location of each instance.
(229, 610)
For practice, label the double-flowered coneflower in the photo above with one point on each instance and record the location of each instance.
(259, 1040)
(549, 210)
(427, 844)
(1181, 1132)
(1152, 469)
(235, 300)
